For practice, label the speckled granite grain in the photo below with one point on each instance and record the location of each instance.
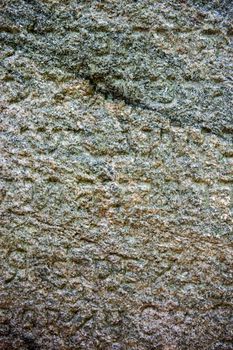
(116, 175)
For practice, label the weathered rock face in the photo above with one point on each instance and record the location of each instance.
(116, 191)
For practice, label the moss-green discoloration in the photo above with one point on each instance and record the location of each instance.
(116, 188)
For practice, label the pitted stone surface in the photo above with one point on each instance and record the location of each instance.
(116, 186)
(169, 57)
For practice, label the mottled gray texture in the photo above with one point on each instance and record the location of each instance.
(116, 186)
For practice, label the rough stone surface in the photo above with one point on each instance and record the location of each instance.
(116, 180)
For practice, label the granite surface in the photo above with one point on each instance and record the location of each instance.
(116, 175)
